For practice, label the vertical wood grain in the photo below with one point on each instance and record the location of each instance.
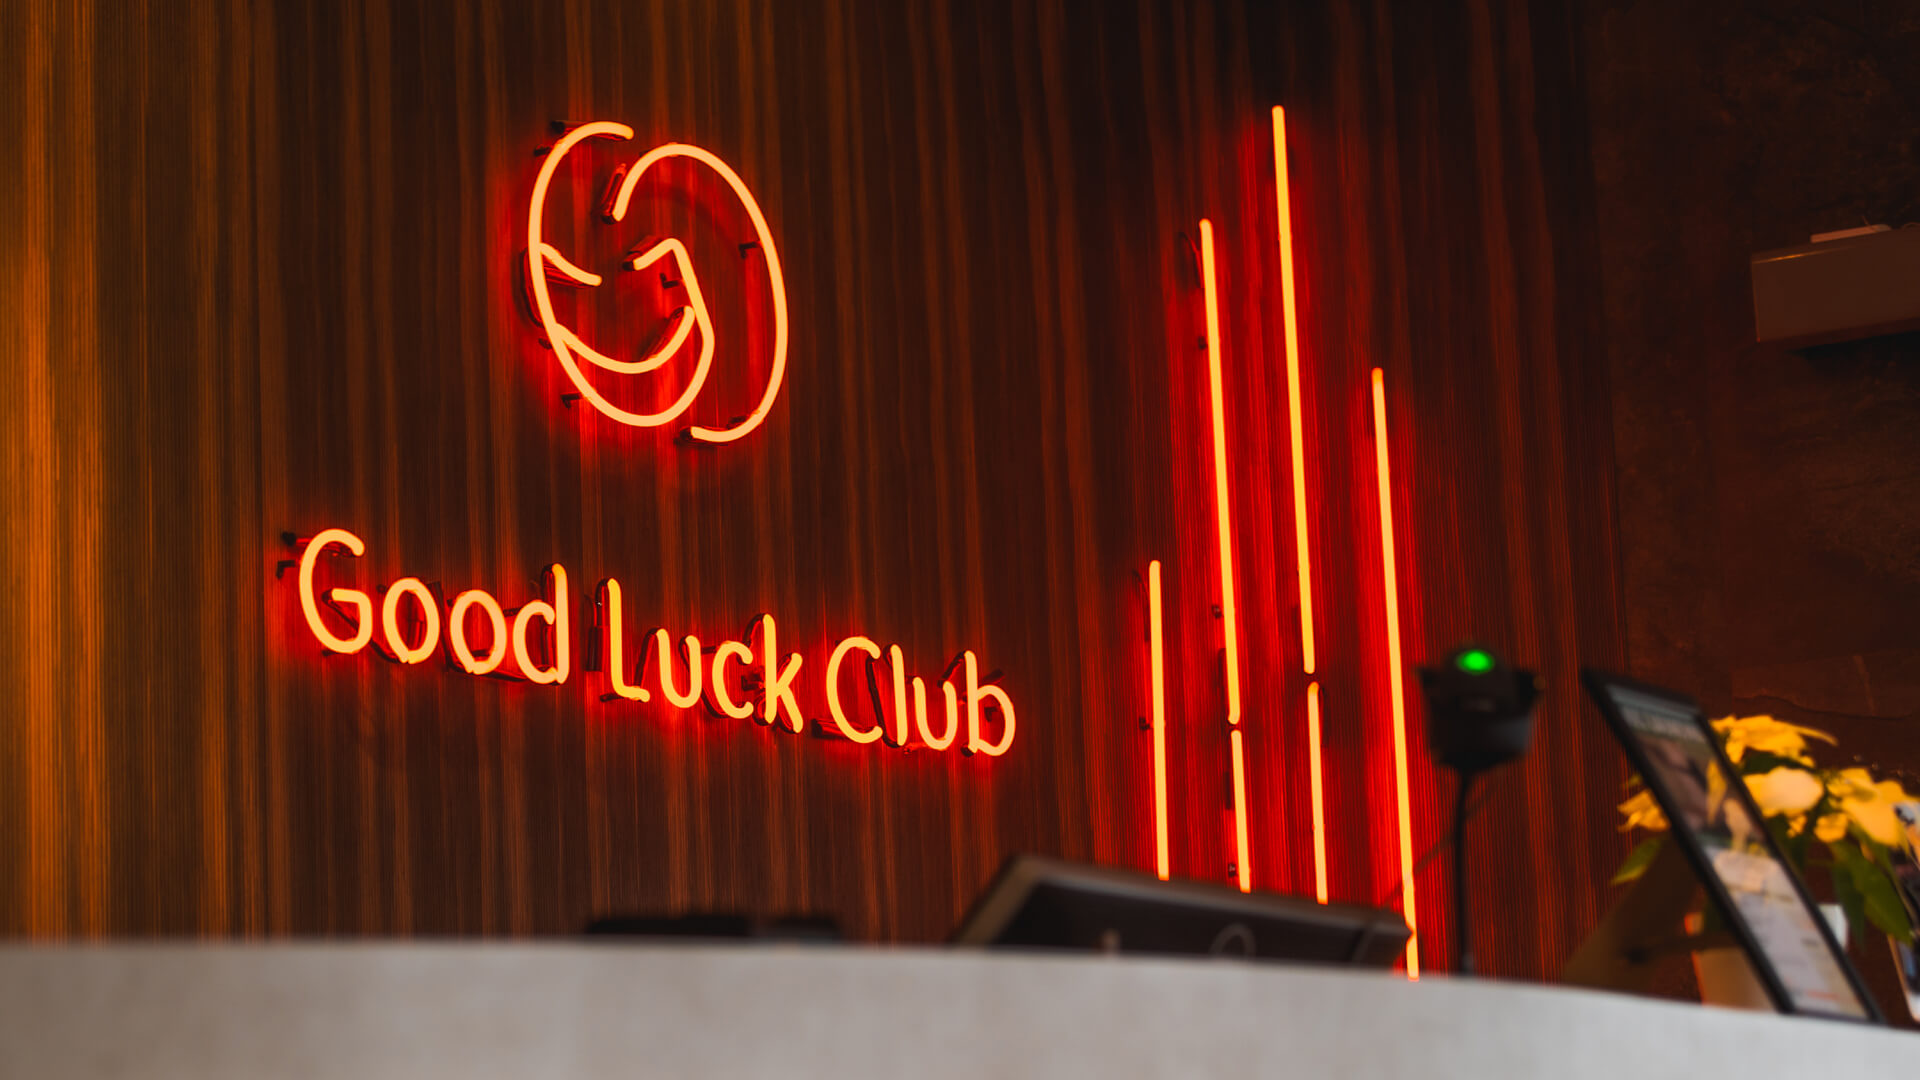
(259, 276)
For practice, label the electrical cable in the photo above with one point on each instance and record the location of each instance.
(1463, 946)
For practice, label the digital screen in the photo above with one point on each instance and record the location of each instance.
(1696, 798)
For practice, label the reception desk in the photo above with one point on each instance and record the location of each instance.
(606, 1010)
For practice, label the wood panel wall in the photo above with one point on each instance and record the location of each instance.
(258, 274)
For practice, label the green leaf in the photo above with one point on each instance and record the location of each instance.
(1794, 847)
(1880, 899)
(1758, 762)
(1846, 892)
(1637, 861)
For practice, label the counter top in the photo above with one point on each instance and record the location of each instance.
(604, 1009)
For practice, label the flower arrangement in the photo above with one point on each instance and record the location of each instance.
(1847, 812)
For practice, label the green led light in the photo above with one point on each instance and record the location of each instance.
(1474, 661)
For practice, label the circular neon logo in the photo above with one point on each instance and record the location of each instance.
(547, 266)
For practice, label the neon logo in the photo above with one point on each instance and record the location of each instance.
(744, 678)
(547, 267)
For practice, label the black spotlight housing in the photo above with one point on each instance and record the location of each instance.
(1479, 710)
(1479, 715)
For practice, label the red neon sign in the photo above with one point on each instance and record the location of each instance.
(740, 679)
(548, 266)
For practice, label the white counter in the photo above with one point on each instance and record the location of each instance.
(607, 1010)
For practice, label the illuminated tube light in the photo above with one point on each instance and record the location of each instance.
(353, 598)
(1283, 207)
(920, 714)
(613, 612)
(554, 614)
(777, 281)
(663, 657)
(570, 344)
(1295, 426)
(834, 710)
(1240, 814)
(684, 317)
(457, 631)
(429, 614)
(1391, 590)
(559, 264)
(1163, 861)
(975, 692)
(718, 683)
(1319, 803)
(901, 718)
(545, 261)
(777, 680)
(1229, 612)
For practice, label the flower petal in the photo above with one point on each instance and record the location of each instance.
(1785, 790)
(1831, 827)
(1853, 783)
(1642, 812)
(1875, 818)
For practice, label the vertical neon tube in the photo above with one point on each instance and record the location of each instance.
(1295, 427)
(1283, 206)
(1230, 616)
(1242, 877)
(1391, 591)
(1163, 860)
(1319, 802)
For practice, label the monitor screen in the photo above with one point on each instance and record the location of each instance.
(1041, 903)
(1682, 763)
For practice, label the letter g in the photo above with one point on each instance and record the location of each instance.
(354, 598)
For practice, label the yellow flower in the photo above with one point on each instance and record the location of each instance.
(1869, 803)
(1643, 813)
(1831, 828)
(1767, 735)
(1785, 790)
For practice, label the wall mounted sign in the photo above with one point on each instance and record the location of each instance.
(866, 698)
(548, 267)
(859, 690)
(868, 694)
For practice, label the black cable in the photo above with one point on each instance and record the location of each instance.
(1433, 852)
(1462, 942)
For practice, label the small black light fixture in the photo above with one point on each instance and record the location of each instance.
(1479, 715)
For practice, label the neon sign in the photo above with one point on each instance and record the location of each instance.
(1283, 207)
(860, 691)
(1222, 514)
(740, 679)
(737, 678)
(1390, 590)
(547, 266)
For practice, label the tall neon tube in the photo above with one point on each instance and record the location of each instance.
(1163, 861)
(1229, 613)
(1317, 792)
(1296, 428)
(1391, 590)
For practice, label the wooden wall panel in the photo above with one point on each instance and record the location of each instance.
(1768, 545)
(259, 276)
